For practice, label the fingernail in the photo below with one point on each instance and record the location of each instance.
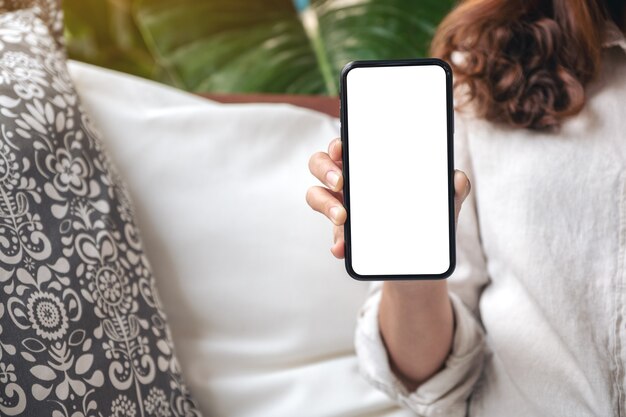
(332, 178)
(334, 213)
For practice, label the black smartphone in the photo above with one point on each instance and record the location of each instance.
(397, 131)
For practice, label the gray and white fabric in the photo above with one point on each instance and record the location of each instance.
(49, 11)
(82, 329)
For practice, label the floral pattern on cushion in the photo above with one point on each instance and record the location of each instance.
(82, 329)
(47, 10)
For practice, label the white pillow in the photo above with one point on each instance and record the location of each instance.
(263, 316)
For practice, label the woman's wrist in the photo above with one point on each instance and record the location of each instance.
(416, 293)
(416, 324)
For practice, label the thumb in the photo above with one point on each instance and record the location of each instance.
(462, 189)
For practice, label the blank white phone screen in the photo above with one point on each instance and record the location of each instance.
(398, 170)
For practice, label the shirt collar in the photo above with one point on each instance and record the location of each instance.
(613, 36)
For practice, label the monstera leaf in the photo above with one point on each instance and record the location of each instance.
(275, 46)
(280, 46)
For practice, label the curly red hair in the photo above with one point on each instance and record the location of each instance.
(525, 62)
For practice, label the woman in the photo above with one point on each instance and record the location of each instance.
(533, 320)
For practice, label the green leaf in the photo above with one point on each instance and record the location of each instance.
(104, 33)
(254, 46)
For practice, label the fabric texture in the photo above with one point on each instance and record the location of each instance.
(539, 292)
(82, 329)
(49, 11)
(262, 314)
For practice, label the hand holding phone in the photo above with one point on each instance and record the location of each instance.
(330, 203)
(397, 159)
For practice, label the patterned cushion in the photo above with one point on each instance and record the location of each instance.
(82, 331)
(48, 10)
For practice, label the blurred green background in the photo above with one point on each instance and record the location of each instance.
(243, 46)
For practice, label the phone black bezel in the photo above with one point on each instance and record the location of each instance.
(346, 184)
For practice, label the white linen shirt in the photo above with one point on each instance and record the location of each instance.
(539, 291)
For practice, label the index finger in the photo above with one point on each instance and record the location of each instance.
(334, 150)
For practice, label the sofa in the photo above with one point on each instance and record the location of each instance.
(262, 315)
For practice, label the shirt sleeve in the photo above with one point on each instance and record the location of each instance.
(446, 392)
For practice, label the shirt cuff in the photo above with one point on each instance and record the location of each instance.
(446, 392)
